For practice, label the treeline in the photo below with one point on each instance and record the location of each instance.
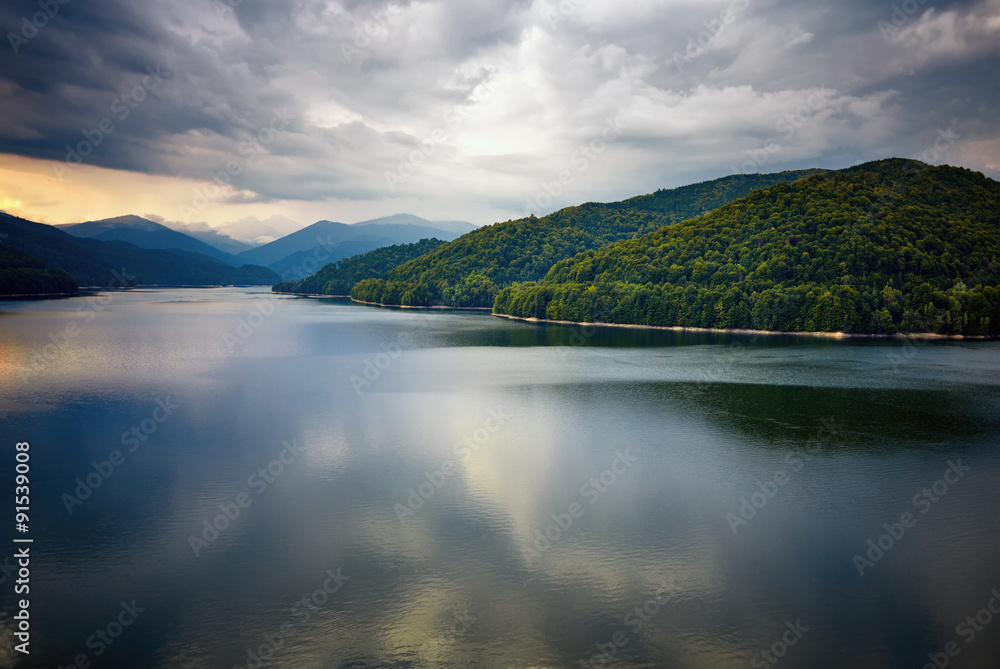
(338, 278)
(471, 270)
(890, 246)
(20, 274)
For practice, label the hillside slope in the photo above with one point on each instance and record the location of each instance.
(883, 247)
(326, 235)
(20, 274)
(471, 270)
(93, 262)
(145, 234)
(338, 278)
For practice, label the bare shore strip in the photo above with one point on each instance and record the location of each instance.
(680, 328)
(390, 306)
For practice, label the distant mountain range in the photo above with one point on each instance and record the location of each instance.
(103, 263)
(329, 241)
(156, 253)
(146, 234)
(246, 233)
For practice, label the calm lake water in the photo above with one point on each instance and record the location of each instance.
(220, 478)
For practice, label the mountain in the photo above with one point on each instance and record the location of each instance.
(203, 233)
(301, 264)
(94, 262)
(456, 227)
(145, 234)
(56, 248)
(255, 232)
(470, 270)
(328, 234)
(885, 247)
(20, 274)
(338, 278)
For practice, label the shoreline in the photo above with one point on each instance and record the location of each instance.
(278, 292)
(387, 306)
(36, 296)
(823, 335)
(410, 306)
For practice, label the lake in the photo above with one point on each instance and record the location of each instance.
(226, 478)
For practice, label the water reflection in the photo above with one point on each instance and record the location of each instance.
(703, 424)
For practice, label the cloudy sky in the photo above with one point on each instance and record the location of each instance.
(212, 110)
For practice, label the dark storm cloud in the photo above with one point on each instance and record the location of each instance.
(699, 86)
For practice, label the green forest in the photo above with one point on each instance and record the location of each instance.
(471, 270)
(20, 274)
(338, 278)
(885, 247)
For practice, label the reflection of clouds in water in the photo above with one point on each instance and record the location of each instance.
(699, 448)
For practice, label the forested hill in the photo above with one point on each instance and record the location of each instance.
(20, 274)
(338, 278)
(888, 246)
(471, 270)
(94, 262)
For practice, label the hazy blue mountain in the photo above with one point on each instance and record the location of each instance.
(145, 234)
(216, 239)
(301, 264)
(329, 234)
(96, 262)
(457, 227)
(256, 232)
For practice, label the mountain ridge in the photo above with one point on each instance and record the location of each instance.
(471, 270)
(890, 246)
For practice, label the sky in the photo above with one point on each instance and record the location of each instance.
(213, 110)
